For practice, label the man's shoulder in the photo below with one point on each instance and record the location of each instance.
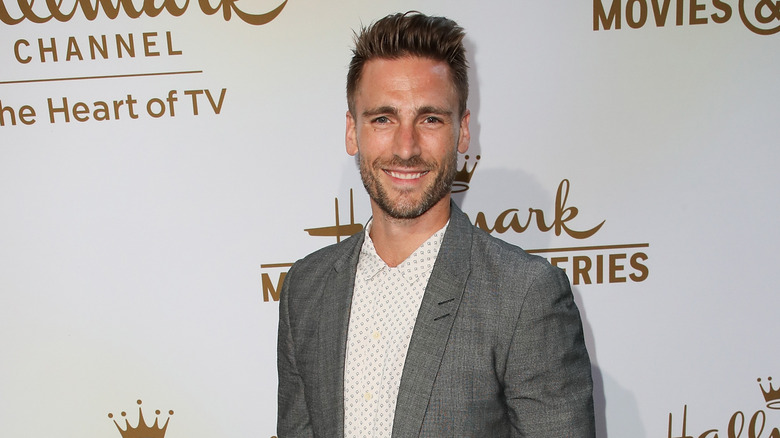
(490, 250)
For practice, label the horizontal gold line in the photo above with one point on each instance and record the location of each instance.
(81, 78)
(589, 248)
(276, 265)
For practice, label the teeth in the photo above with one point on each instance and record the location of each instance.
(400, 175)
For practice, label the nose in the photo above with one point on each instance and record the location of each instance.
(406, 143)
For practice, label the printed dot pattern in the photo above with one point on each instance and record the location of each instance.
(385, 303)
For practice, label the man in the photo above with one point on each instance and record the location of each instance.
(423, 325)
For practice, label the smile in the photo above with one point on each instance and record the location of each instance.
(406, 175)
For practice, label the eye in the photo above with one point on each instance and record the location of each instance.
(432, 119)
(381, 120)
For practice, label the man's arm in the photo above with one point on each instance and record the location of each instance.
(293, 416)
(548, 384)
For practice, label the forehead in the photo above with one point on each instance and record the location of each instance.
(405, 77)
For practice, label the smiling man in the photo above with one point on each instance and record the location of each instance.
(423, 325)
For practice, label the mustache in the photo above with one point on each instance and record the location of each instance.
(414, 162)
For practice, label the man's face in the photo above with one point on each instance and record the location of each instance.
(407, 131)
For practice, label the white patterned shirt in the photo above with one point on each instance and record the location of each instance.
(385, 303)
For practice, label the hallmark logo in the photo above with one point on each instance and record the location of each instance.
(737, 423)
(509, 220)
(463, 177)
(339, 230)
(759, 16)
(771, 395)
(64, 11)
(142, 430)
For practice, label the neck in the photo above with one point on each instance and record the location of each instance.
(396, 239)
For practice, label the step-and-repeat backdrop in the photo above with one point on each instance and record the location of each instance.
(163, 163)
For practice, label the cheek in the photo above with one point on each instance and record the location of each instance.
(374, 141)
(441, 143)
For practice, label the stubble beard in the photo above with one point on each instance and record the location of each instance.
(405, 208)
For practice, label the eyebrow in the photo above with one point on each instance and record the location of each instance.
(434, 110)
(394, 111)
(380, 110)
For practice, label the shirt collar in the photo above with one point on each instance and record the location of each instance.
(416, 267)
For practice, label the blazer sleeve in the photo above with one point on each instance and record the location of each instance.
(548, 386)
(293, 415)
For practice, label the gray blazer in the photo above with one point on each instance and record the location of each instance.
(497, 348)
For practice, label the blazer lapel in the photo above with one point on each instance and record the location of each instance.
(334, 319)
(433, 325)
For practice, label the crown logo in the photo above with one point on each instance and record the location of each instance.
(771, 395)
(142, 430)
(463, 177)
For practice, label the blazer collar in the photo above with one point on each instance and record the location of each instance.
(332, 334)
(434, 322)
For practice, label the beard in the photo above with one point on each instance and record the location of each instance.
(408, 204)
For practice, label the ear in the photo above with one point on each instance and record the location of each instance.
(465, 137)
(351, 135)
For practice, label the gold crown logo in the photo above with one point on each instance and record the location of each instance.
(463, 177)
(142, 430)
(771, 395)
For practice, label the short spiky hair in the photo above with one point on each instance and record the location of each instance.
(411, 34)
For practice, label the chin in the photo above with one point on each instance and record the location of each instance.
(407, 210)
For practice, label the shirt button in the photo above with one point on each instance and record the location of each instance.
(367, 396)
(376, 335)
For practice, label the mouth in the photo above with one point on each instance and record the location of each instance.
(406, 175)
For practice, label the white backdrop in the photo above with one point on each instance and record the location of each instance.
(139, 256)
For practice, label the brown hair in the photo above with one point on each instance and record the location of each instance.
(411, 33)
